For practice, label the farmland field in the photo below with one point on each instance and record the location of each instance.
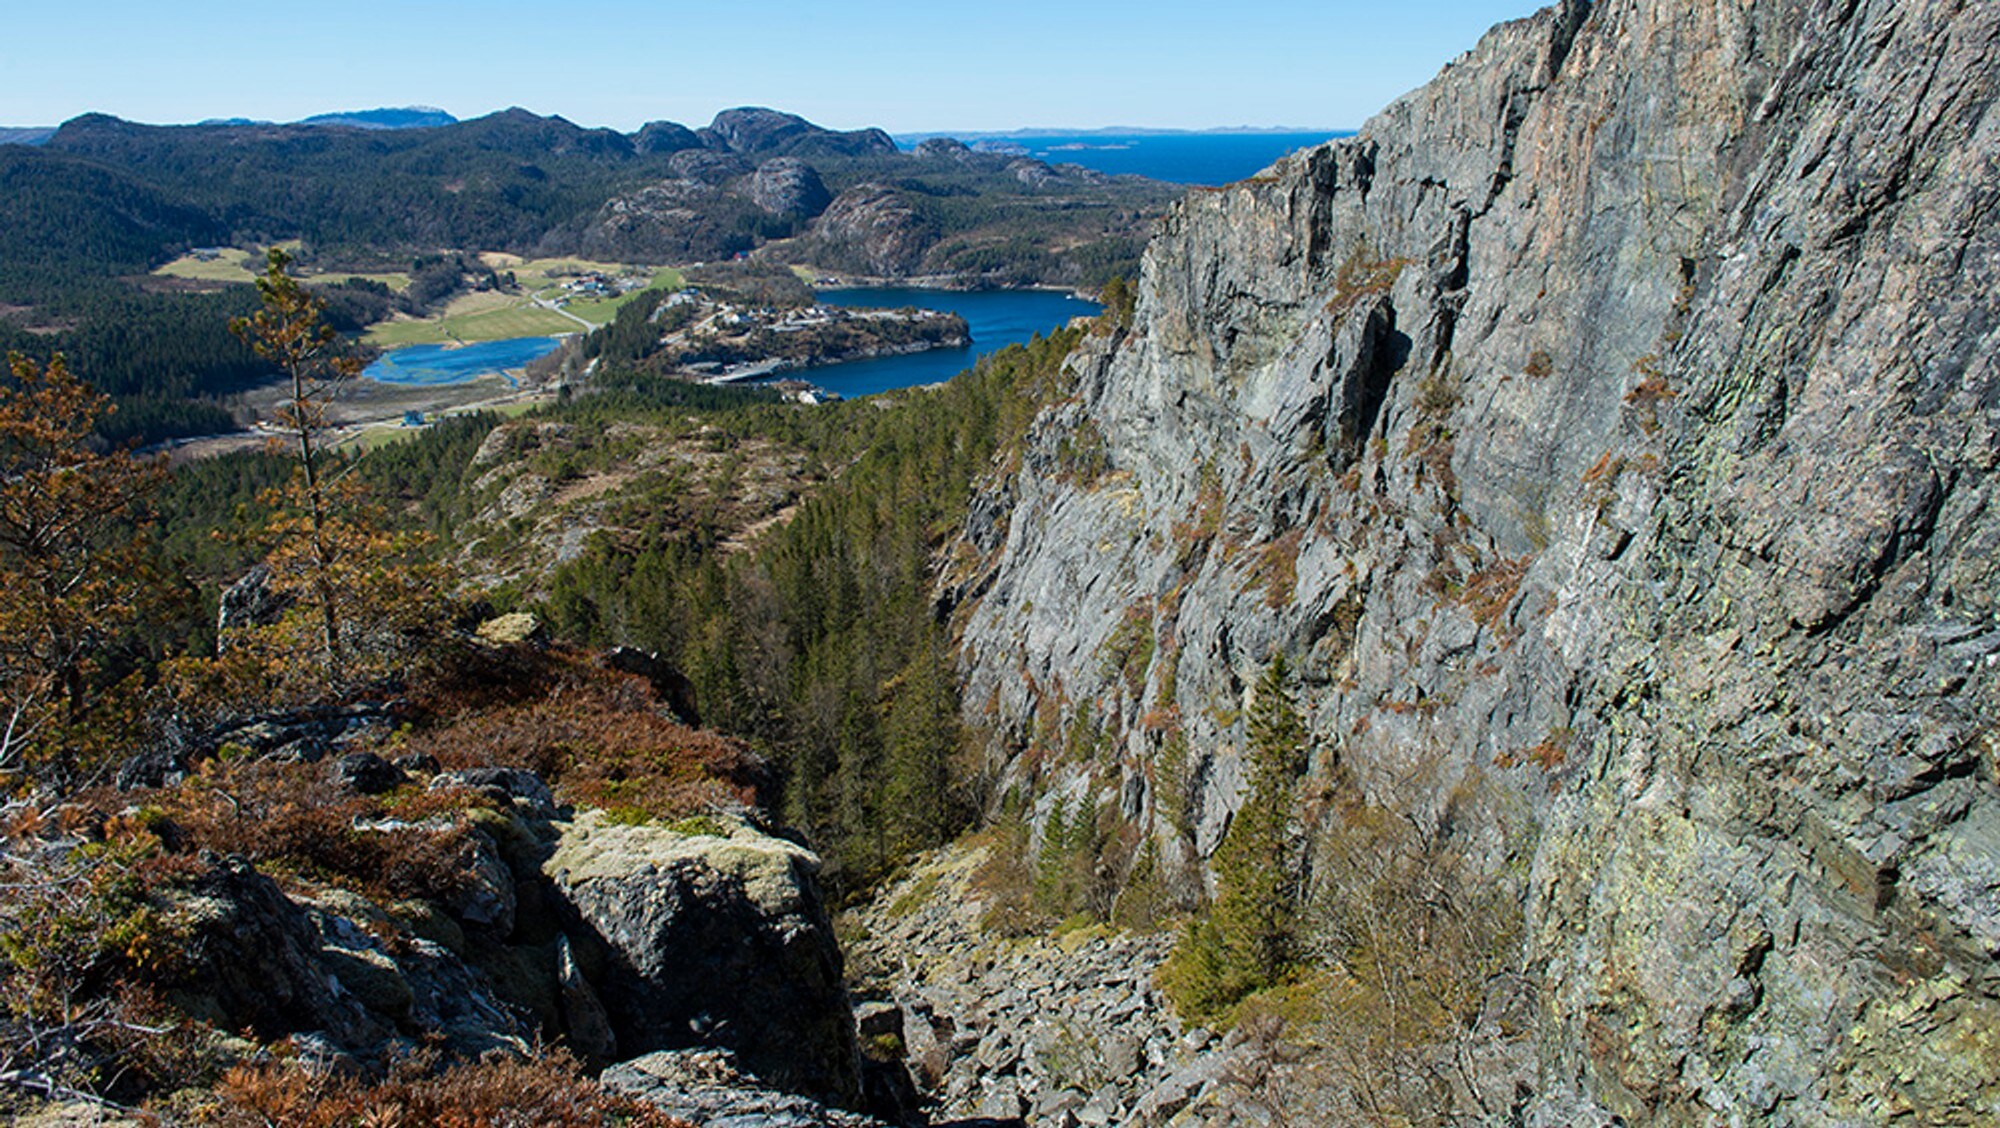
(470, 317)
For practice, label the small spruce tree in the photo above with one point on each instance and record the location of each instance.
(1248, 941)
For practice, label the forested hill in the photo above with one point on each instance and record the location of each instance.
(521, 182)
(62, 213)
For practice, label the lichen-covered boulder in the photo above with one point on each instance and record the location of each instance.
(712, 939)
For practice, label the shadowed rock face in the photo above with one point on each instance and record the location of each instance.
(1606, 436)
(716, 940)
(664, 137)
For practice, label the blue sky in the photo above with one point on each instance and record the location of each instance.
(906, 66)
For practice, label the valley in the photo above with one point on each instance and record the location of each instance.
(1493, 619)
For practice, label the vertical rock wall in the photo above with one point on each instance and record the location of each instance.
(1605, 434)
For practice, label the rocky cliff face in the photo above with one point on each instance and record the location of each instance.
(1606, 436)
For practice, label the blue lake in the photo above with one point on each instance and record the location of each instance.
(436, 364)
(997, 318)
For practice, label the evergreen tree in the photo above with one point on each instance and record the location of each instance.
(291, 333)
(72, 576)
(1249, 940)
(921, 732)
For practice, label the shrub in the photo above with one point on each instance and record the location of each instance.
(546, 1091)
(78, 924)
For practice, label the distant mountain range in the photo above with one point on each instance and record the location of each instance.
(395, 117)
(430, 117)
(405, 117)
(103, 196)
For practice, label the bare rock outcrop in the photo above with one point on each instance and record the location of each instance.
(664, 137)
(872, 229)
(1605, 436)
(754, 129)
(789, 188)
(712, 935)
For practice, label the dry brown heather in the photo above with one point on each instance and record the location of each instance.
(601, 738)
(548, 1090)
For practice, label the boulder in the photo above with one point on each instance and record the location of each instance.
(513, 787)
(365, 773)
(712, 941)
(673, 687)
(249, 602)
(510, 630)
(252, 962)
(485, 896)
(588, 1027)
(708, 1087)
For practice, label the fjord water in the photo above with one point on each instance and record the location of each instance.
(438, 364)
(1180, 158)
(997, 318)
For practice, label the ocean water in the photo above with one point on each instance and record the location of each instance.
(997, 318)
(436, 364)
(1183, 158)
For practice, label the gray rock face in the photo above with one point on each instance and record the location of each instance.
(681, 220)
(708, 166)
(943, 148)
(249, 602)
(716, 941)
(789, 187)
(318, 971)
(871, 229)
(753, 129)
(1606, 435)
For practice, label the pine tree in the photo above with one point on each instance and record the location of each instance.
(72, 574)
(291, 332)
(359, 580)
(1249, 939)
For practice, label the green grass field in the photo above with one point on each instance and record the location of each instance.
(600, 311)
(238, 265)
(522, 320)
(228, 268)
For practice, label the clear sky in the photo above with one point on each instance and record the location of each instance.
(904, 65)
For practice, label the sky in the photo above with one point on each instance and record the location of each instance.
(905, 66)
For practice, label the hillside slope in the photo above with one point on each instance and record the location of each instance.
(1606, 436)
